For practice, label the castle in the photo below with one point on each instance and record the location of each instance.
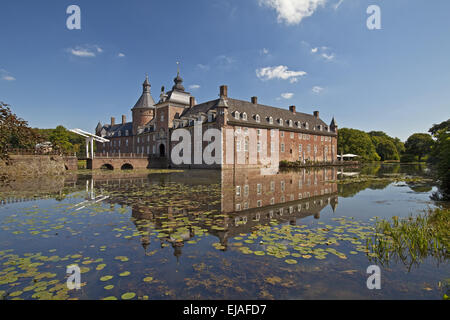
(300, 136)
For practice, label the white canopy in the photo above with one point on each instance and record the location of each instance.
(348, 156)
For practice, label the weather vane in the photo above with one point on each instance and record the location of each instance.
(178, 67)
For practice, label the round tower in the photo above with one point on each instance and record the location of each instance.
(144, 110)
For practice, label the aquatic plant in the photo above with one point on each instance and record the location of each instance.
(411, 240)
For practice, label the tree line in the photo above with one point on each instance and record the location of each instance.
(15, 133)
(432, 147)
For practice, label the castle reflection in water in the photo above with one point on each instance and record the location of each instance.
(233, 202)
(221, 203)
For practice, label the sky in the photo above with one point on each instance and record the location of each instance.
(314, 54)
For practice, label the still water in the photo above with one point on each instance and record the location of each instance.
(244, 234)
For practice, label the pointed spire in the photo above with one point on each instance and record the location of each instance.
(146, 85)
(178, 81)
(333, 123)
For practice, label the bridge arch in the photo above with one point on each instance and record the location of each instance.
(107, 166)
(127, 166)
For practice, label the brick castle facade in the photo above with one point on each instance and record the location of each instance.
(300, 136)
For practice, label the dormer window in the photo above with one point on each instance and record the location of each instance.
(280, 122)
(306, 125)
(236, 115)
(270, 120)
(244, 116)
(127, 133)
(290, 123)
(257, 118)
(299, 124)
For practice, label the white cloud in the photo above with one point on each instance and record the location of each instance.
(327, 56)
(337, 5)
(323, 52)
(317, 89)
(121, 55)
(287, 95)
(87, 51)
(203, 67)
(194, 87)
(279, 72)
(5, 75)
(293, 11)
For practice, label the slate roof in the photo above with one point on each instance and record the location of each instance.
(113, 131)
(145, 101)
(263, 111)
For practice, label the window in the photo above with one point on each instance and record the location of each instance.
(258, 132)
(283, 185)
(272, 201)
(236, 115)
(246, 190)
(300, 149)
(259, 203)
(246, 145)
(270, 120)
(292, 135)
(259, 188)
(280, 122)
(282, 147)
(282, 134)
(258, 118)
(238, 130)
(139, 139)
(272, 185)
(290, 123)
(272, 133)
(162, 118)
(238, 207)
(258, 147)
(238, 190)
(238, 146)
(244, 116)
(306, 125)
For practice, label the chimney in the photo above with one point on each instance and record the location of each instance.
(224, 91)
(316, 114)
(124, 119)
(292, 109)
(255, 100)
(191, 102)
(113, 121)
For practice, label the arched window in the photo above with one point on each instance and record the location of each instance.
(306, 125)
(236, 115)
(270, 120)
(244, 116)
(290, 123)
(257, 118)
(280, 122)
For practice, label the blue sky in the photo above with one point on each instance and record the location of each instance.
(396, 79)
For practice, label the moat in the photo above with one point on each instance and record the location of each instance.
(205, 234)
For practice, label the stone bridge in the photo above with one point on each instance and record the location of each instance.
(118, 162)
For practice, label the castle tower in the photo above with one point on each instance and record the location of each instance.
(144, 110)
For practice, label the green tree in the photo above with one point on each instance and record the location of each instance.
(441, 156)
(385, 148)
(419, 144)
(357, 142)
(60, 139)
(14, 132)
